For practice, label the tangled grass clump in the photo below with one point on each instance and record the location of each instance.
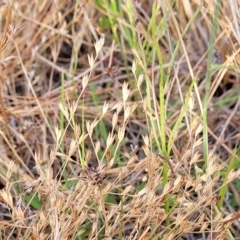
(119, 120)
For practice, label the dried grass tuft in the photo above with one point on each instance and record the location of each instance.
(102, 120)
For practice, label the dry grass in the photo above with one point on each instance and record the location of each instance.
(119, 120)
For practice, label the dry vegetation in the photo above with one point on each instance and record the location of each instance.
(120, 119)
